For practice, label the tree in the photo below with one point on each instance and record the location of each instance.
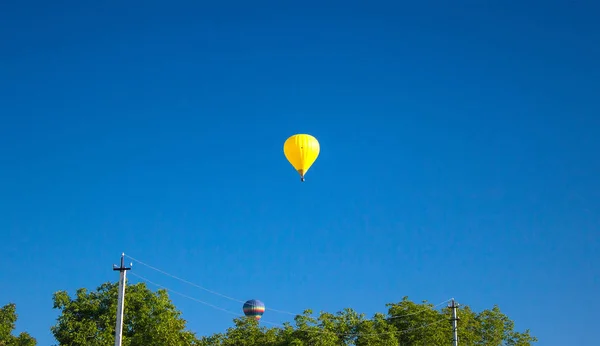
(148, 319)
(407, 323)
(8, 318)
(151, 319)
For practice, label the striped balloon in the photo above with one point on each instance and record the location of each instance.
(254, 308)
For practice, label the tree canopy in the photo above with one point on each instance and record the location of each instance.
(8, 318)
(148, 319)
(151, 319)
(406, 323)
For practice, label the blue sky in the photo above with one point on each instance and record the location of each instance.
(458, 155)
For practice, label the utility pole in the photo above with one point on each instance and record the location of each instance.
(121, 301)
(454, 306)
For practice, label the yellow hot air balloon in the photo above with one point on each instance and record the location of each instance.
(301, 151)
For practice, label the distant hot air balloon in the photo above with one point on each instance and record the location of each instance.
(254, 308)
(301, 150)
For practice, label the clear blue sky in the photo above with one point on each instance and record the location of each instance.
(459, 155)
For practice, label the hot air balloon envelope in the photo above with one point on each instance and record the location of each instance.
(254, 309)
(301, 150)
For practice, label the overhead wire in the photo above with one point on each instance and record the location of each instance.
(283, 326)
(242, 301)
(183, 295)
(201, 287)
(183, 280)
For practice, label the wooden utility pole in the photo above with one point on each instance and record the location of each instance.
(454, 306)
(121, 301)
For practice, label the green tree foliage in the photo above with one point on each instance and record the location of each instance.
(8, 318)
(406, 323)
(151, 319)
(90, 318)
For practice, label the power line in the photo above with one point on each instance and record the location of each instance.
(185, 281)
(242, 301)
(201, 287)
(184, 295)
(311, 331)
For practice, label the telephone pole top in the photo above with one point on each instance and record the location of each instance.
(122, 267)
